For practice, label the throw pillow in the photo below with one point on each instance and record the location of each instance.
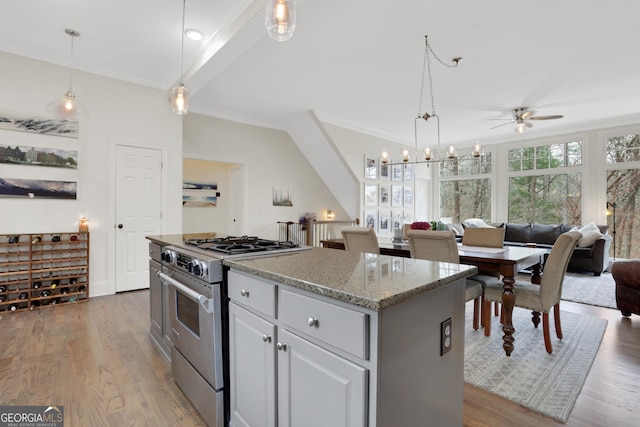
(590, 233)
(476, 223)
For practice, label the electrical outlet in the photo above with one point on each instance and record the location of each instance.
(445, 337)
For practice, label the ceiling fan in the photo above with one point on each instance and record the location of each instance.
(522, 116)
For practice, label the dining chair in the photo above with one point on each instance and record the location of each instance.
(488, 238)
(540, 298)
(360, 239)
(441, 246)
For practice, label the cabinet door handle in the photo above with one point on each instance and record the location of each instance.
(312, 321)
(266, 338)
(244, 293)
(281, 346)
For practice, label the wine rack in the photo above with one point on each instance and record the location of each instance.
(43, 269)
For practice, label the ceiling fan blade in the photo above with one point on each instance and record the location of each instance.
(557, 116)
(503, 124)
(527, 124)
(511, 120)
(527, 114)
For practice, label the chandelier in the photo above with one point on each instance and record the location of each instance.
(427, 153)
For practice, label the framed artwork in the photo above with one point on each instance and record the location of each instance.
(38, 189)
(385, 171)
(408, 197)
(396, 172)
(281, 197)
(370, 194)
(408, 173)
(38, 156)
(384, 222)
(397, 195)
(407, 217)
(370, 218)
(32, 123)
(385, 195)
(199, 194)
(370, 168)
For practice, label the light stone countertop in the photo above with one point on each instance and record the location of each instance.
(367, 280)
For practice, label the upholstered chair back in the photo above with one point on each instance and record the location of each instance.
(360, 239)
(556, 267)
(487, 237)
(433, 245)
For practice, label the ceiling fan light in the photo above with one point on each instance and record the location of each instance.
(521, 128)
(280, 19)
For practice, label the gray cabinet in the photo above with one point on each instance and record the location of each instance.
(269, 358)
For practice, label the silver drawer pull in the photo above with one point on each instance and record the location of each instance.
(266, 338)
(312, 321)
(244, 293)
(281, 346)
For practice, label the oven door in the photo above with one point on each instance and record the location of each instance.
(196, 324)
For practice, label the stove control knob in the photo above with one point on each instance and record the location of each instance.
(169, 256)
(198, 268)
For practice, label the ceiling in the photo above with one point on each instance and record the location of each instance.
(358, 63)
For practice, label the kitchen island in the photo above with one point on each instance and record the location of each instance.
(326, 337)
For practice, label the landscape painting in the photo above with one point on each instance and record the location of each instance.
(199, 194)
(35, 124)
(282, 198)
(37, 189)
(39, 156)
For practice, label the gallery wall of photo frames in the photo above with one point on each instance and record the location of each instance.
(388, 195)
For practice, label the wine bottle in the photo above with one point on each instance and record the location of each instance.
(3, 288)
(3, 298)
(36, 285)
(54, 284)
(34, 304)
(45, 293)
(23, 295)
(81, 288)
(55, 301)
(13, 307)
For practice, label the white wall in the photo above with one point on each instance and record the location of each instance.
(270, 159)
(119, 113)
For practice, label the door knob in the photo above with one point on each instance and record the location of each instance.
(120, 225)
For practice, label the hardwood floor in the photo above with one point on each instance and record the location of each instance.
(96, 359)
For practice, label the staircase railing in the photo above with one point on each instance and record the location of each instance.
(311, 232)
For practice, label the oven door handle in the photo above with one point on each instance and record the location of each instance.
(206, 303)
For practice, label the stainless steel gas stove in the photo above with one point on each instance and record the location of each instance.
(198, 315)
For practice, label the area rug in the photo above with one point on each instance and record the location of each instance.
(587, 288)
(546, 383)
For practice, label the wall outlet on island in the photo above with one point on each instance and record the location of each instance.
(445, 337)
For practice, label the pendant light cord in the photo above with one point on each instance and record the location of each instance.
(184, 6)
(71, 62)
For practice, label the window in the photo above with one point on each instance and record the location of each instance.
(469, 198)
(546, 199)
(551, 198)
(463, 198)
(623, 189)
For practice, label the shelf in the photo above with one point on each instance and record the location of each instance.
(39, 259)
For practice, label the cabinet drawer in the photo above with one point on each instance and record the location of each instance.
(254, 293)
(345, 329)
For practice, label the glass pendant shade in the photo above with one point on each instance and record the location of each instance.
(280, 19)
(67, 107)
(179, 99)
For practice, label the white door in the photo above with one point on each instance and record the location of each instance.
(138, 213)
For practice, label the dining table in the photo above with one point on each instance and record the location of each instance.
(506, 262)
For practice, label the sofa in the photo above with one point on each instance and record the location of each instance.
(626, 273)
(587, 257)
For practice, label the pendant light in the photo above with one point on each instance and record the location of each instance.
(67, 107)
(179, 94)
(280, 19)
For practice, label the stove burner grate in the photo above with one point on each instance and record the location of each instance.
(240, 245)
